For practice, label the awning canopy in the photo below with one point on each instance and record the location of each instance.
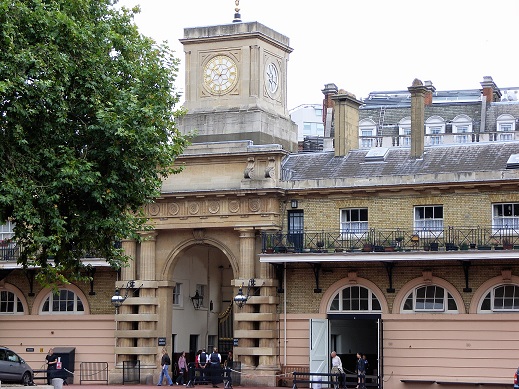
(390, 256)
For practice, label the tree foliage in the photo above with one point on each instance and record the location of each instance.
(87, 130)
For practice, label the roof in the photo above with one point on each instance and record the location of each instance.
(470, 158)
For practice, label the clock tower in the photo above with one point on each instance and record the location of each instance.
(236, 85)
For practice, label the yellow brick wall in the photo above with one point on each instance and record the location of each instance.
(388, 211)
(302, 299)
(100, 303)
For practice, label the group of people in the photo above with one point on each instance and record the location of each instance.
(361, 367)
(208, 365)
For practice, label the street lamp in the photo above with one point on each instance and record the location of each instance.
(117, 299)
(197, 300)
(240, 299)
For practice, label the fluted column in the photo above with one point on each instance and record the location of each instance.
(246, 272)
(146, 271)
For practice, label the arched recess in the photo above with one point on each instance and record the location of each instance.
(330, 293)
(173, 256)
(40, 298)
(483, 289)
(428, 279)
(18, 293)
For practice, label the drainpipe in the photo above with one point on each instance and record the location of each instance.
(285, 311)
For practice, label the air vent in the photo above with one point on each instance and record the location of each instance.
(376, 154)
(513, 162)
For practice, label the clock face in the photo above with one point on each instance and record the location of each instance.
(272, 77)
(220, 74)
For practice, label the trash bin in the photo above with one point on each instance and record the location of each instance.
(67, 357)
(57, 383)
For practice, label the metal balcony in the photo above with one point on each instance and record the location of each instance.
(383, 240)
(9, 251)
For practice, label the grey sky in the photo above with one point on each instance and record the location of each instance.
(363, 46)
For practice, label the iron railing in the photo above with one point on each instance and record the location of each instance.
(9, 251)
(374, 239)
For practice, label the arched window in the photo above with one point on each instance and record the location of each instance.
(63, 302)
(506, 127)
(10, 304)
(404, 131)
(435, 128)
(367, 133)
(462, 127)
(501, 298)
(429, 298)
(355, 299)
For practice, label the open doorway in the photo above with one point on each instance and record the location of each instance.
(353, 333)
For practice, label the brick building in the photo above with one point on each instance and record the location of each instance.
(399, 240)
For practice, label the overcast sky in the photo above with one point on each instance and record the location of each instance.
(363, 46)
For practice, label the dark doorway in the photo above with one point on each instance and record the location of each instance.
(353, 333)
(296, 229)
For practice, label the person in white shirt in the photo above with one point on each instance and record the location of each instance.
(336, 366)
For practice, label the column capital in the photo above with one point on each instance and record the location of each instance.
(148, 235)
(246, 232)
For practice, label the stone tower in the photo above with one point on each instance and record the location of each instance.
(236, 85)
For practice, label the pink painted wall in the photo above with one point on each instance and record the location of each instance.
(471, 348)
(91, 335)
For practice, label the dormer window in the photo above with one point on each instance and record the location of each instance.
(462, 128)
(435, 128)
(505, 127)
(367, 133)
(404, 131)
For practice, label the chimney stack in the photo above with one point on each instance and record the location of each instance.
(429, 95)
(346, 122)
(328, 91)
(490, 90)
(418, 92)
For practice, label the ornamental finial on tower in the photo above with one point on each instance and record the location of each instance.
(237, 16)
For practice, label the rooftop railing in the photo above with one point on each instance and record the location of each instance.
(379, 240)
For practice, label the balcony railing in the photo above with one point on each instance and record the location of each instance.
(9, 251)
(378, 240)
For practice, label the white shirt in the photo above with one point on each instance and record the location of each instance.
(336, 362)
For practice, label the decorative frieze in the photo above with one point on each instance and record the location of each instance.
(209, 207)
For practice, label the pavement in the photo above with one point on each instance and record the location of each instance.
(115, 386)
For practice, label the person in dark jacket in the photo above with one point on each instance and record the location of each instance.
(165, 362)
(361, 371)
(215, 360)
(52, 360)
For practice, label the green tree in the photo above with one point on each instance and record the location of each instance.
(87, 130)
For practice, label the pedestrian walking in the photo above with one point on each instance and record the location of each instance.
(165, 362)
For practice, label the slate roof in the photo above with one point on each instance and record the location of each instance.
(475, 157)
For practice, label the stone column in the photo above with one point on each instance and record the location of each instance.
(268, 305)
(246, 272)
(146, 271)
(127, 274)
